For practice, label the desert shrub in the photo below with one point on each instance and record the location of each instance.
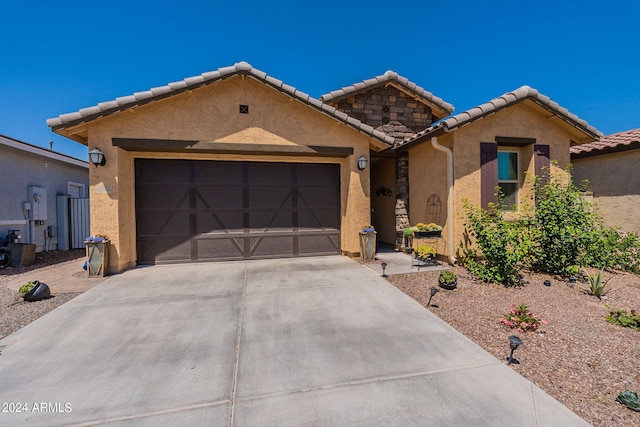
(567, 228)
(26, 287)
(597, 286)
(522, 318)
(623, 318)
(503, 244)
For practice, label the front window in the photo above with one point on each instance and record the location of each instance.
(508, 178)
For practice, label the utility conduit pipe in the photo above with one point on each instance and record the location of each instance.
(449, 153)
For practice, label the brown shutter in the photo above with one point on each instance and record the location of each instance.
(488, 173)
(542, 162)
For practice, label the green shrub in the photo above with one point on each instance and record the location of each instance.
(26, 287)
(622, 318)
(503, 244)
(567, 228)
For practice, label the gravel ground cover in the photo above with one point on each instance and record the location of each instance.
(577, 357)
(16, 313)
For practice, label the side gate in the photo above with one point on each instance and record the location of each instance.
(73, 222)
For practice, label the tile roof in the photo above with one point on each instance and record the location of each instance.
(389, 76)
(499, 103)
(117, 105)
(615, 142)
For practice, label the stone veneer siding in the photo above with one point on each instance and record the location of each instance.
(384, 104)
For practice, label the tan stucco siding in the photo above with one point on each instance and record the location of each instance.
(427, 176)
(615, 184)
(212, 114)
(518, 121)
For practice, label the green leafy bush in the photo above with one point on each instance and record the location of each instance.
(503, 244)
(26, 287)
(622, 318)
(522, 318)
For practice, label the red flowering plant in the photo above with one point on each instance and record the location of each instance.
(522, 318)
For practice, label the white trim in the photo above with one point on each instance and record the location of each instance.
(14, 222)
(80, 185)
(42, 152)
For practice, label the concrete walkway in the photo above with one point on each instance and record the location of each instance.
(308, 341)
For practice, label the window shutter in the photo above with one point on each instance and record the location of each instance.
(542, 162)
(488, 173)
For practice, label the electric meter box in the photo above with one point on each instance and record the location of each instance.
(38, 200)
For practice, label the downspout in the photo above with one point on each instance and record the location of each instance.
(449, 153)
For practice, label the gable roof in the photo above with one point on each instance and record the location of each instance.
(439, 106)
(616, 142)
(104, 109)
(508, 99)
(34, 149)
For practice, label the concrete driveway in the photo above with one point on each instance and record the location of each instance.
(292, 342)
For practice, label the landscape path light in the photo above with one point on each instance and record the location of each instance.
(514, 343)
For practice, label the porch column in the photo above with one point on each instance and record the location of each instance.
(402, 196)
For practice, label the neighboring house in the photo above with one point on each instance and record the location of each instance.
(611, 168)
(32, 178)
(235, 164)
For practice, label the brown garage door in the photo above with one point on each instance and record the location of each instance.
(189, 210)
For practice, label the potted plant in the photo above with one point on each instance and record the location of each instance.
(368, 243)
(426, 254)
(422, 230)
(407, 242)
(447, 279)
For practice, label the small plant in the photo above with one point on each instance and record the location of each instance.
(596, 286)
(623, 318)
(407, 232)
(428, 227)
(522, 318)
(26, 287)
(447, 277)
(424, 251)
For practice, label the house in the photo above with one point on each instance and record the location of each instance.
(35, 177)
(235, 164)
(610, 167)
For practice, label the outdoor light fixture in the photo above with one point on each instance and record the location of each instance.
(514, 342)
(434, 291)
(362, 163)
(547, 282)
(97, 157)
(383, 265)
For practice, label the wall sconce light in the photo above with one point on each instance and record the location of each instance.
(97, 157)
(362, 163)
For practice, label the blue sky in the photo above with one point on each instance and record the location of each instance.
(58, 57)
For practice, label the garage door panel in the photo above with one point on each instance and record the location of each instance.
(271, 221)
(218, 210)
(164, 224)
(220, 249)
(270, 197)
(218, 172)
(218, 199)
(319, 244)
(163, 196)
(219, 222)
(165, 250)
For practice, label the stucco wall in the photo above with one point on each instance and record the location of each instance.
(615, 184)
(211, 114)
(428, 167)
(22, 169)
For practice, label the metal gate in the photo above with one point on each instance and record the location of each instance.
(78, 221)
